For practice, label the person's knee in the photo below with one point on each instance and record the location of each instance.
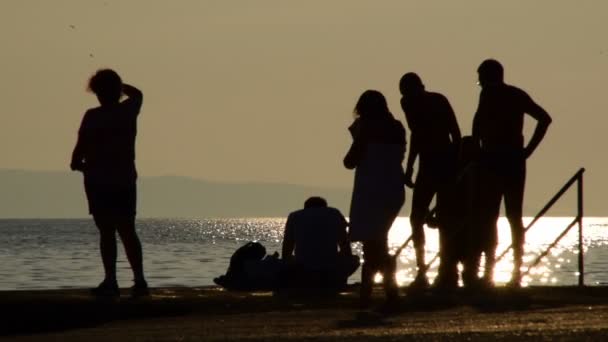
(107, 232)
(126, 226)
(517, 235)
(515, 221)
(418, 238)
(104, 224)
(417, 218)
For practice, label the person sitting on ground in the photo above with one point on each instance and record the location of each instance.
(316, 247)
(251, 269)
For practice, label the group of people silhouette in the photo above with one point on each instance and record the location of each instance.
(468, 177)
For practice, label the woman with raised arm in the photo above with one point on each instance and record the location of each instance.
(105, 153)
(376, 154)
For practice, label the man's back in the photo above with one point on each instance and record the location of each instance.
(317, 232)
(429, 117)
(500, 116)
(108, 136)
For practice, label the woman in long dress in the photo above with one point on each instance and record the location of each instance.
(376, 154)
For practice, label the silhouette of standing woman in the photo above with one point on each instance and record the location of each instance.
(105, 153)
(376, 154)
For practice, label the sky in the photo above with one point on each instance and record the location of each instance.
(263, 91)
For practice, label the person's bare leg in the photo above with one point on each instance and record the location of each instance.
(517, 236)
(490, 257)
(491, 193)
(421, 199)
(107, 247)
(490, 262)
(368, 271)
(514, 197)
(389, 270)
(132, 245)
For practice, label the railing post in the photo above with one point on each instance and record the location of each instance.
(581, 259)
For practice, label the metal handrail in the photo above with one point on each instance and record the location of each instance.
(578, 175)
(578, 178)
(543, 254)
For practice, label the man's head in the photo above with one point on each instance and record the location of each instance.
(315, 202)
(411, 84)
(107, 85)
(490, 72)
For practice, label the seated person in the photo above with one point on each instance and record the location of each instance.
(251, 269)
(316, 248)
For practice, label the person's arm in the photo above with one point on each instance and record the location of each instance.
(134, 97)
(413, 153)
(411, 158)
(356, 148)
(343, 242)
(452, 124)
(78, 157)
(353, 155)
(543, 120)
(289, 242)
(77, 163)
(475, 133)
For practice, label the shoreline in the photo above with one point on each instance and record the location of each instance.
(210, 313)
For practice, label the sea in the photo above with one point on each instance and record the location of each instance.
(63, 253)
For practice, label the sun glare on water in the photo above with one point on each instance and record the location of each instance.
(561, 261)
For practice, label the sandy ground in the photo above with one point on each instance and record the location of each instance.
(211, 314)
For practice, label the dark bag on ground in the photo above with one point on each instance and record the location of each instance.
(251, 269)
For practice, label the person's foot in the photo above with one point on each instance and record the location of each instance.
(140, 289)
(106, 289)
(221, 280)
(421, 282)
(390, 306)
(365, 300)
(487, 283)
(514, 284)
(442, 284)
(478, 285)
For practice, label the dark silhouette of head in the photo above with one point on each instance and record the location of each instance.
(411, 84)
(107, 85)
(315, 202)
(490, 72)
(371, 104)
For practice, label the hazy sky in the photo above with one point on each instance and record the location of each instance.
(264, 90)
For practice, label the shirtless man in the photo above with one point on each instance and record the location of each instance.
(498, 127)
(434, 138)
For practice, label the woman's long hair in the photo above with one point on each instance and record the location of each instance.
(371, 104)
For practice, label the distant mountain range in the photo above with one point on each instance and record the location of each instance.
(56, 194)
(42, 194)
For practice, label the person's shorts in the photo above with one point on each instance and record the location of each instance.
(111, 199)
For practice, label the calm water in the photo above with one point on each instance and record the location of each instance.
(43, 254)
